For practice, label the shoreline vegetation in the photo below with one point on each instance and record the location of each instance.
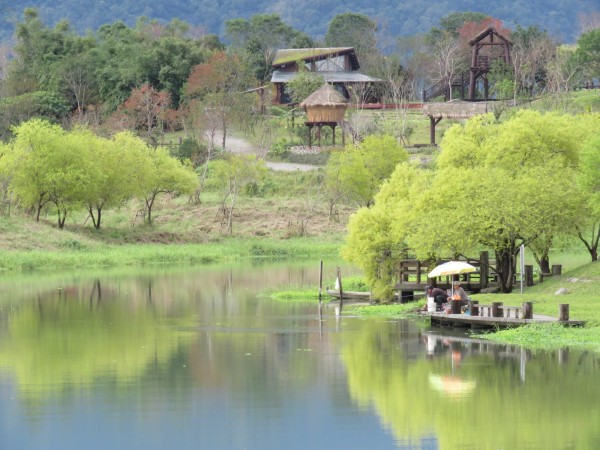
(28, 246)
(581, 284)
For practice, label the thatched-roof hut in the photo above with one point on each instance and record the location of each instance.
(325, 105)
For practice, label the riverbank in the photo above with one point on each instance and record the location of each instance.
(282, 220)
(581, 284)
(229, 250)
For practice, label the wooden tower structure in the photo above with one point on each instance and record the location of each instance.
(486, 48)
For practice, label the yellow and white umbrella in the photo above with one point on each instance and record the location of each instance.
(452, 268)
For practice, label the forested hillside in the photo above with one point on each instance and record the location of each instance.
(396, 17)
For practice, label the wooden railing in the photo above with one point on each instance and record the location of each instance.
(412, 274)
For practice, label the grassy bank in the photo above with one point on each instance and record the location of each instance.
(174, 254)
(582, 286)
(265, 226)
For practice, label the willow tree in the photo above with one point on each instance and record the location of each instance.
(502, 185)
(377, 236)
(163, 174)
(358, 171)
(589, 231)
(47, 165)
(120, 166)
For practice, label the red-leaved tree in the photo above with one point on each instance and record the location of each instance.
(147, 108)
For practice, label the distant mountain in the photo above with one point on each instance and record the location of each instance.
(397, 17)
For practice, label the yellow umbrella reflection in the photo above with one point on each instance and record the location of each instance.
(451, 385)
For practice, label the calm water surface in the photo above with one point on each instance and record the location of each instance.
(203, 359)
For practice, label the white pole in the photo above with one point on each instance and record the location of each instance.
(522, 258)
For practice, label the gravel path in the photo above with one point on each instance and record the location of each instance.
(239, 145)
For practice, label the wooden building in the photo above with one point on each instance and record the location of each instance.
(337, 65)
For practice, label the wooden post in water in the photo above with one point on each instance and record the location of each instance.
(320, 281)
(527, 310)
(563, 312)
(556, 269)
(528, 275)
(496, 311)
(339, 277)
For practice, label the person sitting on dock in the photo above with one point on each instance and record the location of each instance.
(460, 294)
(439, 296)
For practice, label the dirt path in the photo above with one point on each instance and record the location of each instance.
(239, 145)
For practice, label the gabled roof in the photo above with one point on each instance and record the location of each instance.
(487, 32)
(291, 55)
(329, 77)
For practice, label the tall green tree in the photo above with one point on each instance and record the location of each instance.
(589, 231)
(503, 185)
(377, 236)
(47, 165)
(162, 174)
(112, 177)
(589, 51)
(358, 170)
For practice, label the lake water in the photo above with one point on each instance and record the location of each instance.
(200, 358)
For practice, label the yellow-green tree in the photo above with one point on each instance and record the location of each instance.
(589, 231)
(112, 177)
(357, 171)
(377, 236)
(161, 174)
(500, 185)
(47, 165)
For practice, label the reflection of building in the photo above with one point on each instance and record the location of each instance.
(337, 65)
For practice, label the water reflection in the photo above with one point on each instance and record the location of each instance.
(170, 358)
(468, 393)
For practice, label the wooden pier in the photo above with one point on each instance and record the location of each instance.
(497, 315)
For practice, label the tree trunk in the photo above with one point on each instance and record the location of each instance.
(62, 217)
(99, 215)
(544, 264)
(593, 246)
(149, 204)
(91, 212)
(505, 267)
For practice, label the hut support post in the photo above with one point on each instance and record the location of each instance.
(433, 121)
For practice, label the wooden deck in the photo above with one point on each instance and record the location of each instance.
(478, 322)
